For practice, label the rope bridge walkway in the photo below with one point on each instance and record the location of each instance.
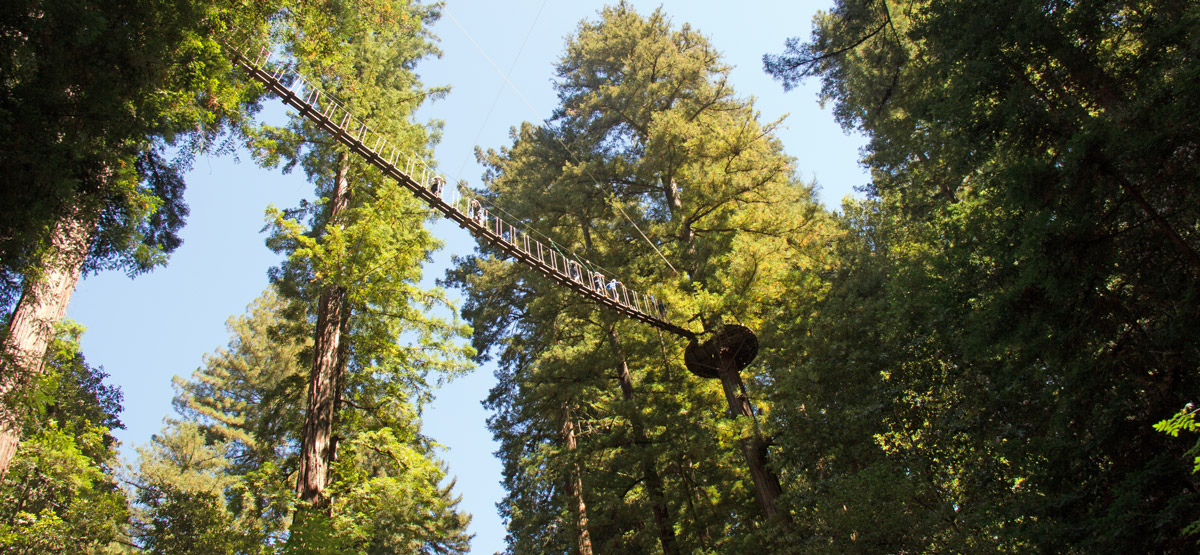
(413, 173)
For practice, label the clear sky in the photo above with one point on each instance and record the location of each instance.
(146, 330)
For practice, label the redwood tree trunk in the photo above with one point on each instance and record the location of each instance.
(40, 308)
(317, 443)
(654, 486)
(317, 450)
(766, 484)
(343, 357)
(575, 487)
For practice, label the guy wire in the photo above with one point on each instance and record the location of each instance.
(560, 141)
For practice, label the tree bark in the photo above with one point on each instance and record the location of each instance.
(575, 486)
(766, 485)
(41, 307)
(343, 355)
(654, 486)
(317, 445)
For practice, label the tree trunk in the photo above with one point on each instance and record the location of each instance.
(675, 202)
(41, 307)
(342, 360)
(766, 484)
(695, 497)
(654, 486)
(317, 445)
(575, 486)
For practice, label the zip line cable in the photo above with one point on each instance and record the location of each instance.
(570, 153)
(617, 205)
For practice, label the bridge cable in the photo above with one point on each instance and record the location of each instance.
(500, 89)
(505, 77)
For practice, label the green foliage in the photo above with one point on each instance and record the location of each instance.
(353, 257)
(376, 248)
(649, 133)
(1183, 421)
(1005, 320)
(386, 499)
(60, 495)
(185, 494)
(93, 96)
(223, 479)
(59, 499)
(246, 406)
(248, 394)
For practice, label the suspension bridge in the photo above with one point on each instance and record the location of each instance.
(427, 185)
(726, 351)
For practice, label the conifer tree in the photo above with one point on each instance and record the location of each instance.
(223, 479)
(649, 138)
(1022, 278)
(93, 97)
(354, 264)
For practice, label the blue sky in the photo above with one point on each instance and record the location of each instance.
(146, 330)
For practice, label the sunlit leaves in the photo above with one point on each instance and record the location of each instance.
(60, 490)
